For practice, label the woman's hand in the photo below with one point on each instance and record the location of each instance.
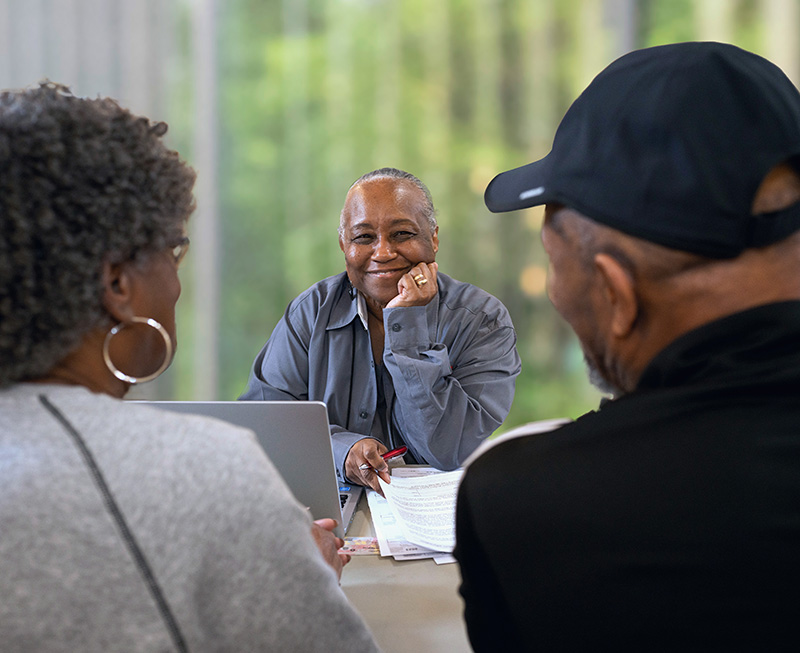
(329, 545)
(364, 464)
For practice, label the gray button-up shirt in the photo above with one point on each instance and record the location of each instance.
(448, 369)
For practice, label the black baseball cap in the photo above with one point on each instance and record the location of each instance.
(670, 144)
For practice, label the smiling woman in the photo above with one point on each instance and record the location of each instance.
(402, 354)
(384, 235)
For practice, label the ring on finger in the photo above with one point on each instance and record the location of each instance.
(420, 280)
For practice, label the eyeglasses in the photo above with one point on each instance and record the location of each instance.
(179, 250)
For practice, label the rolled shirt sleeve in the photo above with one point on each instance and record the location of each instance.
(449, 398)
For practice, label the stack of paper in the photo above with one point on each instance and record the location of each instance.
(417, 517)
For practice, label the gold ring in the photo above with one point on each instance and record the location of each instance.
(419, 279)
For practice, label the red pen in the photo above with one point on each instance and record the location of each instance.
(394, 453)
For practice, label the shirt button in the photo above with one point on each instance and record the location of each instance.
(363, 414)
(396, 327)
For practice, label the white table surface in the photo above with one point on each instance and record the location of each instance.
(411, 606)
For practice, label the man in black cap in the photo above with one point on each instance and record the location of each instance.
(669, 519)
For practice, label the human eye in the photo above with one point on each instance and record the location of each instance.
(404, 234)
(362, 238)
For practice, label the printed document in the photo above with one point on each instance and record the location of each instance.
(424, 506)
(387, 531)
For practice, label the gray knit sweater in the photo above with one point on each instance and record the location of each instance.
(124, 528)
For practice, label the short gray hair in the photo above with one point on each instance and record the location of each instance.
(428, 211)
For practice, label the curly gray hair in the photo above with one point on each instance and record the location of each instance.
(82, 181)
(428, 212)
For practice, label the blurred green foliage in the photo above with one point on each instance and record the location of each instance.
(313, 93)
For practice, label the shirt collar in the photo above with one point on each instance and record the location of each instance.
(361, 304)
(346, 309)
(726, 349)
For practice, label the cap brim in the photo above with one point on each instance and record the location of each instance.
(519, 188)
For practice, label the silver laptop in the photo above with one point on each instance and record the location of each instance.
(296, 437)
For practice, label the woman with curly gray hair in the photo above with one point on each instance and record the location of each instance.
(124, 527)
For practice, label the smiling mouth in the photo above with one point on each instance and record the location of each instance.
(380, 274)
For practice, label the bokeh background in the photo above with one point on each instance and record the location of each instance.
(281, 104)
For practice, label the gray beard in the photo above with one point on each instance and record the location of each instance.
(599, 381)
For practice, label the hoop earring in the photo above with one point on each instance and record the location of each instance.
(133, 379)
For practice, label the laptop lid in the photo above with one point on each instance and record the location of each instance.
(296, 437)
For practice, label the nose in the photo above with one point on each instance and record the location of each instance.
(383, 251)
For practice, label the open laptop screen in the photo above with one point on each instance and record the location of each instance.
(296, 437)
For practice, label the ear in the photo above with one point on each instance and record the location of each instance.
(435, 238)
(341, 243)
(117, 291)
(620, 294)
